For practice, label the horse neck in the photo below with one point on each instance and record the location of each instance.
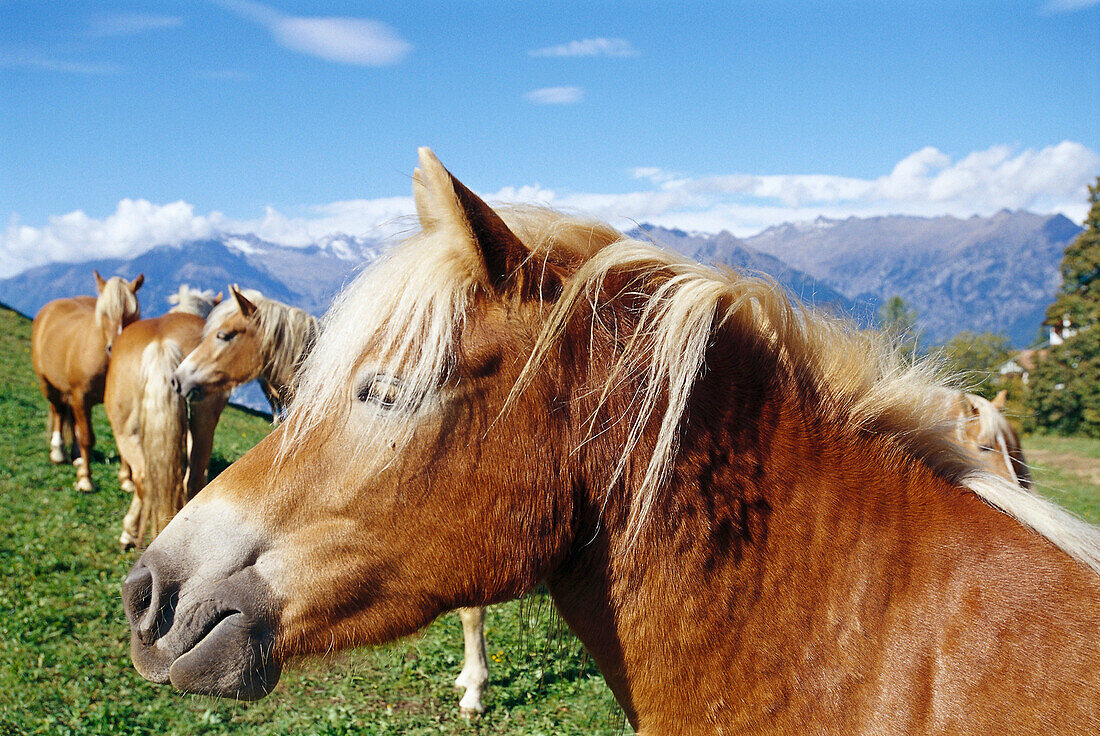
(276, 368)
(764, 503)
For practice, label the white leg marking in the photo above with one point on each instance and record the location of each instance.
(83, 476)
(475, 669)
(57, 455)
(130, 521)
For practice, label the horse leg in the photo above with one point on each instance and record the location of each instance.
(125, 476)
(56, 408)
(68, 433)
(475, 668)
(85, 437)
(130, 476)
(57, 451)
(202, 422)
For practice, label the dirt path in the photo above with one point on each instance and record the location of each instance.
(1086, 468)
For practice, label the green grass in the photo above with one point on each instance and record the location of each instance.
(64, 661)
(1067, 470)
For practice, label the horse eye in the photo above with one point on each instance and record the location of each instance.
(226, 336)
(383, 391)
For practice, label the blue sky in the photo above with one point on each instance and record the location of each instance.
(123, 124)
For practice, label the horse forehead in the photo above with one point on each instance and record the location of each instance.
(235, 322)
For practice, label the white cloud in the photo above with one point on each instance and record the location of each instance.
(926, 183)
(1067, 6)
(358, 41)
(137, 226)
(555, 95)
(589, 47)
(130, 24)
(654, 174)
(20, 60)
(134, 227)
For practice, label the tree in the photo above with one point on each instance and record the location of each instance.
(1079, 298)
(1065, 385)
(976, 357)
(898, 321)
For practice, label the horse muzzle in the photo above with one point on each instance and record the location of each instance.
(186, 387)
(210, 638)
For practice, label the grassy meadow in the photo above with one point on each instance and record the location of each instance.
(64, 662)
(64, 642)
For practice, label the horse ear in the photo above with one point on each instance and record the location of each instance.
(443, 202)
(246, 307)
(136, 283)
(1000, 400)
(99, 282)
(218, 299)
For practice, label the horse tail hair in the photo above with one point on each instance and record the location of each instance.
(163, 421)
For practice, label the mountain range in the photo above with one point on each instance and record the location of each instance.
(993, 273)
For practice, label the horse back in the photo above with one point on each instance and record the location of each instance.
(67, 348)
(123, 386)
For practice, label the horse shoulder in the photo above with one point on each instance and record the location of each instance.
(182, 328)
(67, 349)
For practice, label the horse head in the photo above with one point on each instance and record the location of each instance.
(230, 353)
(397, 481)
(116, 305)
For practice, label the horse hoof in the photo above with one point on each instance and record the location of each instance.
(126, 542)
(470, 713)
(85, 485)
(78, 462)
(57, 457)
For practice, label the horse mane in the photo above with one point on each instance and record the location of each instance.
(192, 301)
(115, 303)
(286, 335)
(411, 305)
(991, 422)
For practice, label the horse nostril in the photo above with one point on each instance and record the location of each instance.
(176, 385)
(149, 606)
(137, 592)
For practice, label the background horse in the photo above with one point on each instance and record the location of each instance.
(984, 431)
(199, 302)
(165, 449)
(71, 341)
(254, 337)
(249, 337)
(754, 517)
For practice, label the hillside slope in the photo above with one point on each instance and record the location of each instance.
(994, 273)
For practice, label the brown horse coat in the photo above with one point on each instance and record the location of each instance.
(165, 449)
(71, 341)
(755, 518)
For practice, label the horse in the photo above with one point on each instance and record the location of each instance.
(254, 337)
(199, 302)
(983, 429)
(752, 515)
(164, 449)
(249, 337)
(71, 341)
